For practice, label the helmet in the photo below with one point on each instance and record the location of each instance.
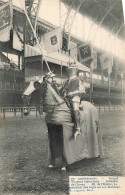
(50, 75)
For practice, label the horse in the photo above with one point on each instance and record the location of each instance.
(60, 126)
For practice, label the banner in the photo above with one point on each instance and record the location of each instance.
(119, 68)
(53, 40)
(106, 62)
(6, 15)
(109, 70)
(33, 67)
(18, 39)
(73, 49)
(94, 60)
(85, 53)
(31, 51)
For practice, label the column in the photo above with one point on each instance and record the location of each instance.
(109, 83)
(91, 84)
(19, 61)
(102, 77)
(61, 73)
(122, 83)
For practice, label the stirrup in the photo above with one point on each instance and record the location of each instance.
(63, 169)
(77, 133)
(50, 166)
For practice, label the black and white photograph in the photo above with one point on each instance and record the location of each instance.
(62, 97)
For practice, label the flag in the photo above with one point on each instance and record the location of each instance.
(94, 60)
(85, 53)
(53, 40)
(73, 49)
(18, 38)
(109, 70)
(6, 16)
(119, 68)
(106, 62)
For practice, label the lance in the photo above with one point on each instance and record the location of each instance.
(34, 33)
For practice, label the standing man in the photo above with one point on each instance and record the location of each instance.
(55, 132)
(71, 91)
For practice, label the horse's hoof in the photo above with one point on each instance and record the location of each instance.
(50, 166)
(63, 169)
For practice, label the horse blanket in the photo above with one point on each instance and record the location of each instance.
(89, 143)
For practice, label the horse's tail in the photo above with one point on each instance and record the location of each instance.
(56, 96)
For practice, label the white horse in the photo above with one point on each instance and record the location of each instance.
(60, 127)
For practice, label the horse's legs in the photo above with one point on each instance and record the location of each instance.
(55, 133)
(63, 163)
(51, 136)
(61, 143)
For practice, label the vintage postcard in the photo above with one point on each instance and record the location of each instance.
(62, 97)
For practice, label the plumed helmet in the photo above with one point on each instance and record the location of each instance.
(50, 75)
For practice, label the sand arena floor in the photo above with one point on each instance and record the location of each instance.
(24, 156)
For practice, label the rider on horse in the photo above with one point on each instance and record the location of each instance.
(59, 121)
(71, 91)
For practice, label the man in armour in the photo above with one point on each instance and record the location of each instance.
(72, 90)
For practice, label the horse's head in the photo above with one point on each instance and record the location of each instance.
(45, 89)
(31, 87)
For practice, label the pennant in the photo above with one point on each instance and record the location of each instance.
(106, 62)
(6, 16)
(53, 40)
(109, 70)
(94, 60)
(119, 68)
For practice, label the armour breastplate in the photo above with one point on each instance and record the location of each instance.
(72, 85)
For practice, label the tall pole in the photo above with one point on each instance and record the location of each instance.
(24, 42)
(91, 84)
(19, 61)
(122, 83)
(109, 76)
(60, 35)
(122, 75)
(93, 65)
(109, 83)
(61, 72)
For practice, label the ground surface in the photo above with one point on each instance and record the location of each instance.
(24, 150)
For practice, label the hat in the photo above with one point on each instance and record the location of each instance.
(72, 63)
(50, 74)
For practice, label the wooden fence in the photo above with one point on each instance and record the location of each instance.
(26, 110)
(110, 108)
